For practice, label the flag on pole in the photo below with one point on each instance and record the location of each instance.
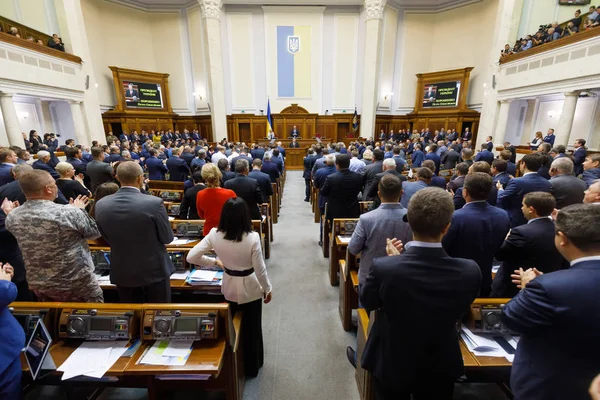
(269, 119)
(355, 120)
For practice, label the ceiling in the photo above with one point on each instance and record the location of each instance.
(416, 5)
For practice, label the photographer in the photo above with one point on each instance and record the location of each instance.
(56, 43)
(570, 29)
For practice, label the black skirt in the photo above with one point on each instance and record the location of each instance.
(252, 338)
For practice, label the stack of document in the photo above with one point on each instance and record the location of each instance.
(165, 352)
(489, 346)
(93, 359)
(178, 242)
(205, 277)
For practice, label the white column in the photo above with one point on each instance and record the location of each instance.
(502, 122)
(373, 25)
(565, 123)
(74, 35)
(508, 11)
(11, 120)
(80, 132)
(211, 15)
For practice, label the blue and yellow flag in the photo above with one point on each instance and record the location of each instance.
(355, 120)
(269, 119)
(294, 61)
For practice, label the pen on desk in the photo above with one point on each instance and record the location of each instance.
(142, 356)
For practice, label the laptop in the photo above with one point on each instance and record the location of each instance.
(36, 351)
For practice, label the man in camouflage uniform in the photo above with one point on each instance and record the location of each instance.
(53, 241)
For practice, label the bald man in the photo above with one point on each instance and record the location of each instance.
(53, 240)
(137, 228)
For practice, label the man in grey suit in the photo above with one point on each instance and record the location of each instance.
(424, 176)
(98, 171)
(137, 229)
(564, 186)
(373, 228)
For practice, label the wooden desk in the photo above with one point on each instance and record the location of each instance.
(348, 293)
(63, 350)
(337, 252)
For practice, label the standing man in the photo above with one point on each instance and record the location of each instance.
(341, 190)
(99, 171)
(370, 173)
(246, 188)
(155, 166)
(549, 138)
(309, 163)
(511, 198)
(137, 229)
(485, 155)
(264, 181)
(424, 176)
(478, 229)
(8, 159)
(295, 133)
(467, 135)
(319, 179)
(178, 168)
(579, 156)
(53, 241)
(555, 306)
(566, 188)
(403, 288)
(417, 156)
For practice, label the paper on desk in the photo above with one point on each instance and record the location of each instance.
(85, 359)
(180, 275)
(177, 242)
(178, 348)
(510, 357)
(154, 356)
(480, 345)
(203, 275)
(116, 352)
(345, 239)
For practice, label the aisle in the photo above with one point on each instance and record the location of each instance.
(304, 341)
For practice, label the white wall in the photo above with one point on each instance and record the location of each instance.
(37, 14)
(542, 12)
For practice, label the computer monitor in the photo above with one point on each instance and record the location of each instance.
(37, 348)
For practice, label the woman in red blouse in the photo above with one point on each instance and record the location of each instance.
(210, 201)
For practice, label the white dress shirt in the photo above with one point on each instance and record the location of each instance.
(236, 256)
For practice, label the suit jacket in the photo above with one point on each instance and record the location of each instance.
(137, 228)
(187, 209)
(248, 189)
(342, 190)
(456, 183)
(459, 200)
(436, 159)
(319, 179)
(590, 176)
(5, 174)
(188, 157)
(264, 182)
(557, 356)
(578, 159)
(467, 135)
(528, 246)
(511, 168)
(513, 151)
(501, 177)
(369, 178)
(486, 156)
(309, 163)
(99, 173)
(567, 190)
(450, 159)
(156, 169)
(13, 336)
(270, 168)
(37, 164)
(417, 158)
(375, 187)
(431, 290)
(410, 188)
(178, 169)
(477, 231)
(511, 198)
(10, 251)
(258, 153)
(294, 145)
(490, 147)
(241, 157)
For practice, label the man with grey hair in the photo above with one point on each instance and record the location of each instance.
(270, 168)
(42, 163)
(53, 240)
(564, 186)
(129, 221)
(246, 188)
(198, 162)
(319, 179)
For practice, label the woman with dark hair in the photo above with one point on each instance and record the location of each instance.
(245, 281)
(35, 141)
(106, 189)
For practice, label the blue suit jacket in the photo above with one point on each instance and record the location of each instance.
(549, 139)
(503, 178)
(37, 164)
(590, 176)
(578, 159)
(511, 198)
(511, 168)
(178, 169)
(319, 181)
(436, 159)
(477, 231)
(417, 158)
(5, 175)
(486, 156)
(156, 169)
(558, 353)
(410, 188)
(13, 336)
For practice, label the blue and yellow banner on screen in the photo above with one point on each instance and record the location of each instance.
(293, 61)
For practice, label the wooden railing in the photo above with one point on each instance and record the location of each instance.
(25, 32)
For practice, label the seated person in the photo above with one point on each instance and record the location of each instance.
(70, 185)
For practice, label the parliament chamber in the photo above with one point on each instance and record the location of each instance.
(273, 200)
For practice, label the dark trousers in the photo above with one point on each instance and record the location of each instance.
(429, 388)
(159, 292)
(10, 381)
(23, 292)
(307, 183)
(252, 338)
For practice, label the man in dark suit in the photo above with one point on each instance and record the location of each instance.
(370, 173)
(226, 172)
(492, 198)
(403, 288)
(566, 188)
(294, 144)
(246, 188)
(131, 92)
(499, 173)
(188, 210)
(478, 229)
(511, 198)
(342, 190)
(8, 159)
(389, 168)
(529, 246)
(511, 168)
(264, 181)
(156, 168)
(187, 155)
(557, 356)
(243, 156)
(467, 135)
(319, 179)
(450, 158)
(270, 168)
(137, 228)
(99, 171)
(433, 156)
(462, 169)
(42, 163)
(309, 162)
(294, 133)
(485, 155)
(409, 189)
(257, 152)
(417, 156)
(513, 152)
(178, 168)
(579, 156)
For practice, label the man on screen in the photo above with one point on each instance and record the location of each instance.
(131, 95)
(429, 95)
